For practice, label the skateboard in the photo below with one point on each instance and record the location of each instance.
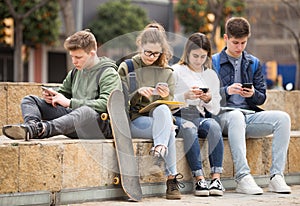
(128, 169)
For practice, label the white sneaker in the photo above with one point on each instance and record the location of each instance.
(247, 185)
(277, 184)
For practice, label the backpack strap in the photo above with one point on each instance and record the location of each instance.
(99, 74)
(216, 63)
(74, 70)
(131, 75)
(254, 64)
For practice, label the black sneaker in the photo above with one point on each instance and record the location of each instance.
(24, 131)
(216, 188)
(173, 186)
(201, 188)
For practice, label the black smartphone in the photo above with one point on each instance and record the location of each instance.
(247, 85)
(204, 89)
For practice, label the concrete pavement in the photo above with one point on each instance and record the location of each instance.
(230, 198)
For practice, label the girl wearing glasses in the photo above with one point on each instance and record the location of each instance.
(150, 68)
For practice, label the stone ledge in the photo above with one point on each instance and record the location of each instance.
(64, 166)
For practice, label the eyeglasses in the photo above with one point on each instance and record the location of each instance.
(150, 53)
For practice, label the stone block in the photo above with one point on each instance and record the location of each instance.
(228, 168)
(267, 154)
(3, 105)
(182, 164)
(149, 171)
(108, 163)
(9, 156)
(254, 155)
(82, 164)
(275, 100)
(15, 93)
(40, 166)
(293, 155)
(292, 107)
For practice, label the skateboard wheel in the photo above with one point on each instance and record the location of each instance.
(104, 116)
(116, 180)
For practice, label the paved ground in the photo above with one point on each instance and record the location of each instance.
(230, 198)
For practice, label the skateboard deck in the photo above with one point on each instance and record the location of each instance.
(128, 168)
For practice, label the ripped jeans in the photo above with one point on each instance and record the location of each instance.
(159, 127)
(206, 128)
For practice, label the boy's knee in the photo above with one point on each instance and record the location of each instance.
(28, 99)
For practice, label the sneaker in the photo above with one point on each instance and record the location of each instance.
(201, 188)
(24, 131)
(216, 188)
(247, 185)
(277, 184)
(173, 186)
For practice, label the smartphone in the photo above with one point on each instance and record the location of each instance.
(159, 84)
(247, 85)
(204, 90)
(50, 92)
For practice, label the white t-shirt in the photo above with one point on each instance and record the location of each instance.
(185, 78)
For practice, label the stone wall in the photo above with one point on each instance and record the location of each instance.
(60, 168)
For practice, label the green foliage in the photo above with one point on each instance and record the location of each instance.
(42, 26)
(116, 18)
(192, 14)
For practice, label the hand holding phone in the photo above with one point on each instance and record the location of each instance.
(247, 85)
(159, 84)
(204, 90)
(49, 91)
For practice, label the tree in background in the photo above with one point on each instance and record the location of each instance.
(293, 10)
(116, 18)
(36, 21)
(207, 17)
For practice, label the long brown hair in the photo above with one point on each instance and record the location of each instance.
(196, 41)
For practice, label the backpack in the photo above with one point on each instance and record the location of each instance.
(216, 63)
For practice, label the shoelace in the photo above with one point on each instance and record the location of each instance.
(217, 184)
(202, 183)
(177, 184)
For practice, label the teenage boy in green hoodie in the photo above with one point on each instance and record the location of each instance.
(75, 108)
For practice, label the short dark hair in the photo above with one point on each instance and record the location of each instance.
(237, 27)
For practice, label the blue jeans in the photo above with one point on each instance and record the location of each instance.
(159, 127)
(82, 122)
(238, 126)
(206, 128)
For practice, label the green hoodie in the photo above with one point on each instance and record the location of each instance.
(84, 90)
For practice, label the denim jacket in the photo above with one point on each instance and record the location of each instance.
(226, 75)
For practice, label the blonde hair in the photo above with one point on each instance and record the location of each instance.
(153, 34)
(84, 40)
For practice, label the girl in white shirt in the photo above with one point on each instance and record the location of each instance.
(198, 85)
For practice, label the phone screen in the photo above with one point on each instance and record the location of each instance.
(247, 85)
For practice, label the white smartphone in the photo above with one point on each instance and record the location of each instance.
(155, 92)
(50, 91)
